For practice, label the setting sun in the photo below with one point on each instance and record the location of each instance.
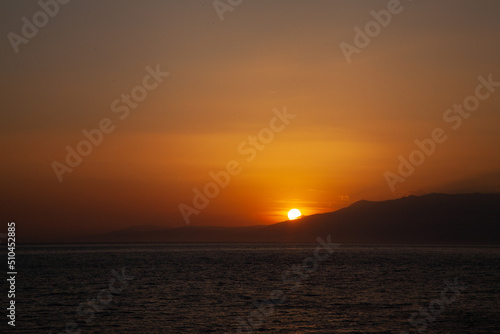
(294, 214)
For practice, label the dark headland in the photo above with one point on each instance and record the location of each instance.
(459, 219)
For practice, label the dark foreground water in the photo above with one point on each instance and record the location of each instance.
(255, 288)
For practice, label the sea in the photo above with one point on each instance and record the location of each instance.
(254, 288)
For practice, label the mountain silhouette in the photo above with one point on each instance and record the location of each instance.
(460, 219)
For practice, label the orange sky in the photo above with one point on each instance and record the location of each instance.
(225, 78)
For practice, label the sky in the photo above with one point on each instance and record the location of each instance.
(212, 82)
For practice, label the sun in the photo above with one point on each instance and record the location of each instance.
(294, 214)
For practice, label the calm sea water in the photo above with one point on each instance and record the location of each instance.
(219, 288)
